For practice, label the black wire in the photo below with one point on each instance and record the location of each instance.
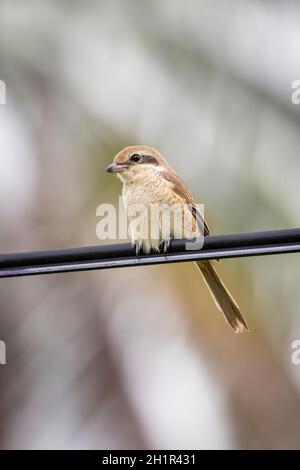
(123, 255)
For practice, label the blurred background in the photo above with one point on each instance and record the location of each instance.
(141, 358)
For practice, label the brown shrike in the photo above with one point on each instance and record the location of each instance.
(148, 181)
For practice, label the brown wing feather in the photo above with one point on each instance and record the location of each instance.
(182, 191)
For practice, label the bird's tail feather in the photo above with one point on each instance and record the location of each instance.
(222, 297)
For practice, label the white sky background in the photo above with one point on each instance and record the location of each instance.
(17, 166)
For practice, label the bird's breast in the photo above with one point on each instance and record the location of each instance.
(151, 189)
(148, 227)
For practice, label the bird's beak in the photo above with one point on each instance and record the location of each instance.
(114, 168)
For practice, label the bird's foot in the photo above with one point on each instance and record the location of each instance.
(138, 248)
(164, 247)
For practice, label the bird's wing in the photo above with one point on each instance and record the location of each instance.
(180, 188)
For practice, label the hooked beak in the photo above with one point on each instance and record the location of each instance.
(114, 168)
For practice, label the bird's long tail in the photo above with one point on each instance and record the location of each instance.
(222, 297)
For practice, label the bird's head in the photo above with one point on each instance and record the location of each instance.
(134, 162)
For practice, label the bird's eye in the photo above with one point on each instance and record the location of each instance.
(135, 158)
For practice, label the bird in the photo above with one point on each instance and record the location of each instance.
(150, 181)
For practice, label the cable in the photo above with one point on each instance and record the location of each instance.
(231, 245)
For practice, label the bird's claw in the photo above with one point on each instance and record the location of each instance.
(165, 245)
(138, 248)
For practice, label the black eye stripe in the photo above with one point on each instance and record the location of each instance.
(144, 158)
(150, 159)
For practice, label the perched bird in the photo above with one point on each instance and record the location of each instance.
(149, 181)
